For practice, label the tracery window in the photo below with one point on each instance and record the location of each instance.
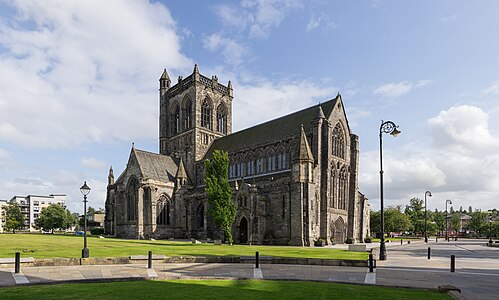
(221, 119)
(342, 188)
(338, 141)
(206, 114)
(175, 118)
(132, 199)
(188, 113)
(163, 207)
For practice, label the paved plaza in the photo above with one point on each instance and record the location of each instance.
(477, 270)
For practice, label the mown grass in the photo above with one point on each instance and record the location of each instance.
(214, 289)
(69, 246)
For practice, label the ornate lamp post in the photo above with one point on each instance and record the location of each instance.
(447, 220)
(85, 190)
(427, 193)
(390, 128)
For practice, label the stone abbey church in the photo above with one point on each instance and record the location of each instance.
(294, 179)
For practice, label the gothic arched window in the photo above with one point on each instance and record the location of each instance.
(333, 188)
(132, 199)
(338, 141)
(175, 118)
(163, 208)
(271, 161)
(222, 119)
(342, 188)
(188, 113)
(206, 114)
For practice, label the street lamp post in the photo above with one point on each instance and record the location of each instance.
(447, 220)
(427, 193)
(390, 128)
(85, 190)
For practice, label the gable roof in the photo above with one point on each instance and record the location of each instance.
(283, 127)
(155, 166)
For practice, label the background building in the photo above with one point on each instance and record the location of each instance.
(32, 205)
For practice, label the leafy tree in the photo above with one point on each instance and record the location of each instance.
(415, 212)
(52, 217)
(478, 221)
(375, 222)
(439, 218)
(91, 211)
(396, 221)
(70, 220)
(455, 222)
(14, 219)
(221, 207)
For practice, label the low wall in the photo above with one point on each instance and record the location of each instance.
(186, 259)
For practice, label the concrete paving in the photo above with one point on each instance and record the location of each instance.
(476, 274)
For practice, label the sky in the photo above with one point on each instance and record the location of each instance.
(79, 85)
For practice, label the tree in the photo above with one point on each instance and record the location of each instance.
(221, 207)
(91, 211)
(14, 218)
(415, 212)
(70, 220)
(375, 222)
(52, 217)
(439, 218)
(478, 221)
(396, 221)
(455, 222)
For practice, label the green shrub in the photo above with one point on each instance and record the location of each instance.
(349, 240)
(97, 231)
(368, 239)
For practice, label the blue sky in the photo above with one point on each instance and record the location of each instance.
(79, 79)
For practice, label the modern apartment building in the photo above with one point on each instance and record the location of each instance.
(3, 204)
(31, 206)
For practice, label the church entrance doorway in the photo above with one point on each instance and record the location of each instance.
(243, 231)
(339, 231)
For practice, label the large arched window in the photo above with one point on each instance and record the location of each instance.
(271, 161)
(333, 188)
(163, 207)
(338, 141)
(206, 114)
(342, 188)
(187, 113)
(132, 199)
(200, 216)
(222, 119)
(282, 159)
(175, 118)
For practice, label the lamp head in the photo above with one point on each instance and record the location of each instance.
(85, 190)
(428, 193)
(395, 132)
(449, 201)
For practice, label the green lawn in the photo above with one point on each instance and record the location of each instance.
(69, 246)
(214, 289)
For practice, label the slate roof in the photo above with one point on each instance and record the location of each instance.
(155, 166)
(281, 128)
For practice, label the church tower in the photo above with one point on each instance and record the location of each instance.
(193, 113)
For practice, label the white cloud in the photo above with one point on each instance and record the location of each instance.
(232, 50)
(263, 100)
(463, 128)
(397, 89)
(74, 72)
(461, 162)
(493, 89)
(94, 163)
(448, 19)
(323, 22)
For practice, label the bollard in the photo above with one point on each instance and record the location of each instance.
(257, 260)
(452, 263)
(149, 260)
(408, 242)
(371, 263)
(18, 263)
(401, 241)
(436, 239)
(429, 251)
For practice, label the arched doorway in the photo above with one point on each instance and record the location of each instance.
(243, 231)
(339, 231)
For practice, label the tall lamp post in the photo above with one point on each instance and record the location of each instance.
(447, 220)
(85, 190)
(390, 128)
(427, 193)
